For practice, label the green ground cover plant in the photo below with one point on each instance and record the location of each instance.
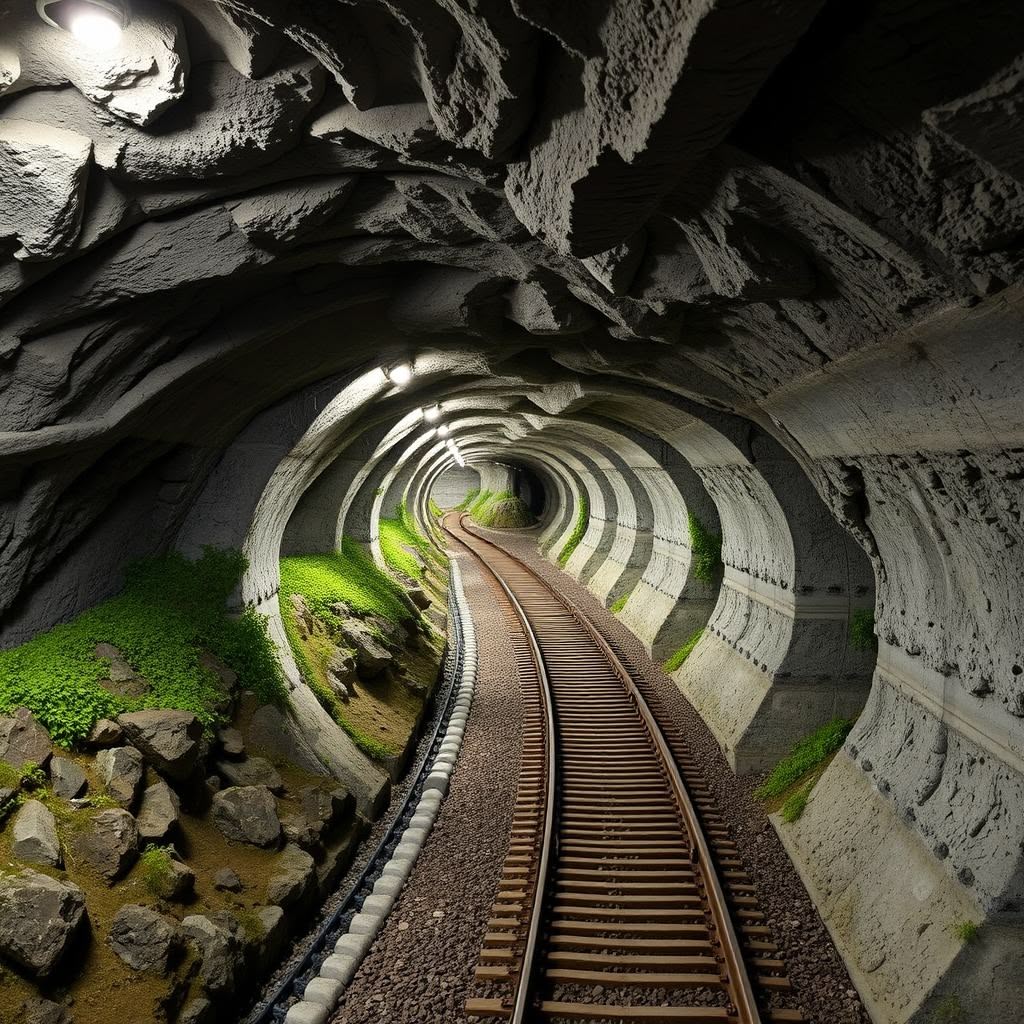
(170, 610)
(468, 500)
(793, 778)
(862, 629)
(620, 602)
(481, 499)
(705, 551)
(676, 659)
(435, 509)
(503, 511)
(965, 931)
(578, 530)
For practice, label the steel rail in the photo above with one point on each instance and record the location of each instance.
(737, 979)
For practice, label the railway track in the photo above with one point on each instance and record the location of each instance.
(622, 897)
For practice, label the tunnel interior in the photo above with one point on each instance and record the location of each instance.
(728, 297)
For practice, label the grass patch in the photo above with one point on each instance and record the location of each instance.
(502, 511)
(705, 551)
(471, 496)
(794, 804)
(435, 509)
(578, 530)
(965, 931)
(806, 756)
(620, 602)
(862, 629)
(171, 609)
(481, 499)
(399, 534)
(155, 870)
(676, 659)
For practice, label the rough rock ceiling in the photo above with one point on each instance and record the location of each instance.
(251, 195)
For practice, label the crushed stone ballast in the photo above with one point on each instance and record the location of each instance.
(320, 985)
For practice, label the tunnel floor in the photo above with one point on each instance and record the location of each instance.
(421, 966)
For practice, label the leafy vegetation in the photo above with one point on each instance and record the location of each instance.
(965, 931)
(468, 500)
(399, 534)
(435, 510)
(676, 659)
(481, 499)
(705, 551)
(862, 629)
(578, 530)
(620, 602)
(170, 611)
(793, 778)
(155, 870)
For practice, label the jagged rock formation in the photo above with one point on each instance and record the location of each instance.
(753, 267)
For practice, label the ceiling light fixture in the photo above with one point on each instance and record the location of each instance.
(432, 413)
(97, 24)
(400, 374)
(443, 430)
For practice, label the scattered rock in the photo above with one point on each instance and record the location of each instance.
(372, 657)
(231, 742)
(332, 808)
(253, 771)
(305, 620)
(216, 942)
(121, 769)
(226, 677)
(196, 1011)
(419, 597)
(39, 917)
(171, 741)
(143, 938)
(123, 680)
(67, 778)
(44, 1011)
(110, 845)
(35, 835)
(298, 829)
(275, 931)
(226, 880)
(247, 814)
(178, 883)
(341, 674)
(158, 813)
(105, 733)
(24, 741)
(292, 878)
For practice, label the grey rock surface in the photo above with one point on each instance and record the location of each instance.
(39, 918)
(158, 813)
(24, 741)
(372, 657)
(143, 938)
(218, 945)
(35, 835)
(169, 740)
(247, 814)
(109, 845)
(67, 778)
(121, 769)
(293, 877)
(251, 771)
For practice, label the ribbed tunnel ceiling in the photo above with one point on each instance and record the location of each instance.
(756, 263)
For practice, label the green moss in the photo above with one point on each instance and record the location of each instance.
(435, 509)
(478, 503)
(155, 870)
(793, 806)
(578, 530)
(399, 534)
(705, 551)
(170, 611)
(862, 629)
(965, 931)
(806, 758)
(620, 602)
(502, 511)
(947, 1011)
(676, 659)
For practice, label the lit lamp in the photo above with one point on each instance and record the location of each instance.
(432, 413)
(97, 24)
(443, 430)
(400, 374)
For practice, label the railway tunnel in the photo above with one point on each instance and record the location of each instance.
(511, 511)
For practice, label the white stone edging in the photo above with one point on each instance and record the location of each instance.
(322, 994)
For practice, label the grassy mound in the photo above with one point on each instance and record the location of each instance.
(790, 782)
(397, 536)
(582, 519)
(676, 659)
(170, 611)
(503, 511)
(468, 500)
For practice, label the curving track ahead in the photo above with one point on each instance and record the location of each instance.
(621, 897)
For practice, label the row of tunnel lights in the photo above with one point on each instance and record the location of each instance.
(400, 374)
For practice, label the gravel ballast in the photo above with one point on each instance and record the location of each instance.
(421, 966)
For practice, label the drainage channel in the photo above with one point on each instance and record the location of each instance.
(312, 985)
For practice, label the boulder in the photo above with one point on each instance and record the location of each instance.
(143, 938)
(226, 880)
(372, 657)
(6, 794)
(419, 597)
(198, 1010)
(110, 845)
(123, 680)
(247, 814)
(275, 932)
(217, 943)
(24, 741)
(121, 769)
(298, 829)
(231, 743)
(39, 917)
(158, 813)
(341, 674)
(333, 808)
(178, 883)
(171, 741)
(67, 778)
(35, 835)
(293, 876)
(308, 624)
(253, 771)
(105, 733)
(44, 1011)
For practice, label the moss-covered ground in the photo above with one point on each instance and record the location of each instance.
(620, 602)
(401, 542)
(501, 511)
(789, 784)
(170, 611)
(705, 551)
(678, 658)
(578, 530)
